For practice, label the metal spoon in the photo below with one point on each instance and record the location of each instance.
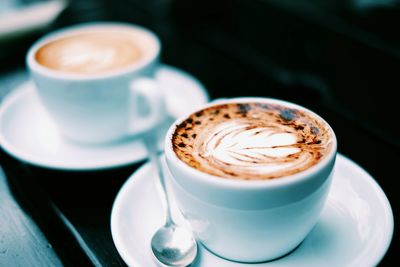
(172, 245)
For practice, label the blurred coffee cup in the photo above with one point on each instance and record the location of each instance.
(97, 80)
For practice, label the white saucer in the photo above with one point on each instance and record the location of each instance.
(20, 17)
(355, 228)
(27, 132)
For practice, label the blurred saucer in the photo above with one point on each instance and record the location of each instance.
(355, 227)
(23, 17)
(29, 134)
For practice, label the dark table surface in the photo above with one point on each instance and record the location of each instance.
(331, 62)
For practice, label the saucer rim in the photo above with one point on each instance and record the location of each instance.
(20, 91)
(369, 179)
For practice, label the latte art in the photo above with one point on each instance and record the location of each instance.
(256, 150)
(260, 142)
(90, 52)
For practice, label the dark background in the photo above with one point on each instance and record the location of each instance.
(338, 58)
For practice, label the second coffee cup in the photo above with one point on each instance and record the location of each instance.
(96, 80)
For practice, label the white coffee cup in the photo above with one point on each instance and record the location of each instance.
(101, 107)
(256, 220)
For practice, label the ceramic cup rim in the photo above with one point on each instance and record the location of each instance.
(35, 66)
(217, 181)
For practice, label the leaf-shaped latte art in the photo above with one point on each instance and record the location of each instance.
(253, 149)
(251, 141)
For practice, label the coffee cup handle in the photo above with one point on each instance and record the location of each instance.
(146, 94)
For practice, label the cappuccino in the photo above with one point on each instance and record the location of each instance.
(95, 78)
(90, 53)
(252, 141)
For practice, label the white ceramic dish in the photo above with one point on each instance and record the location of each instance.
(355, 228)
(29, 134)
(19, 20)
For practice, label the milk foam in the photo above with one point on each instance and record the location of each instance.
(90, 52)
(90, 55)
(255, 150)
(251, 141)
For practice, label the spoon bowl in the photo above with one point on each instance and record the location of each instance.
(174, 245)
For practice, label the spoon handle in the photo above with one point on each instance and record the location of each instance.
(151, 143)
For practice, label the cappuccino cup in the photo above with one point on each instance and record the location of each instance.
(97, 81)
(251, 175)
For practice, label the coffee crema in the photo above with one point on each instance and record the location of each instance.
(252, 141)
(90, 53)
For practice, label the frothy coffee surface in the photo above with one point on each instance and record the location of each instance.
(252, 141)
(89, 53)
